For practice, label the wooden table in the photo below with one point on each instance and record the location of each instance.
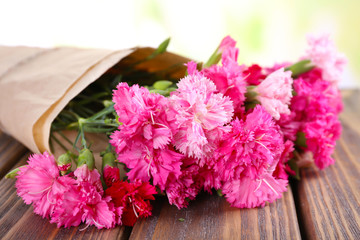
(323, 205)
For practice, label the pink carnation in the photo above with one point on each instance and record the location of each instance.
(282, 169)
(245, 160)
(186, 186)
(316, 107)
(275, 93)
(199, 110)
(321, 135)
(40, 183)
(84, 202)
(251, 146)
(145, 162)
(324, 55)
(249, 193)
(143, 115)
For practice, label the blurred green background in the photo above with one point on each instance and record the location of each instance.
(266, 31)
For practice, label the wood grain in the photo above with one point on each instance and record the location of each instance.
(10, 152)
(211, 217)
(329, 200)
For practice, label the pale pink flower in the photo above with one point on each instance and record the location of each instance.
(322, 52)
(275, 93)
(198, 111)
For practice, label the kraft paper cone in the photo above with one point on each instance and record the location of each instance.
(36, 84)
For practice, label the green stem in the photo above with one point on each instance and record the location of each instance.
(103, 112)
(58, 142)
(66, 139)
(81, 129)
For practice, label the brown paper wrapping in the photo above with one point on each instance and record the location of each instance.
(36, 83)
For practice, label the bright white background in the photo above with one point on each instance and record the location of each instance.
(266, 31)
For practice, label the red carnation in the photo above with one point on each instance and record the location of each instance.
(132, 199)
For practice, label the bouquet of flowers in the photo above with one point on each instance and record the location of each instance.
(240, 130)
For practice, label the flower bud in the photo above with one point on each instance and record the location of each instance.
(107, 103)
(64, 163)
(162, 84)
(86, 157)
(111, 173)
(12, 173)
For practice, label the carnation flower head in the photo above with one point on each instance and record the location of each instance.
(133, 199)
(146, 162)
(143, 115)
(275, 93)
(323, 54)
(247, 158)
(246, 192)
(40, 183)
(198, 110)
(111, 175)
(85, 202)
(186, 186)
(251, 146)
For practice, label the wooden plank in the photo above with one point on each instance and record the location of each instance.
(329, 200)
(17, 220)
(211, 217)
(10, 151)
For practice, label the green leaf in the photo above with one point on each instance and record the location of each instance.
(162, 47)
(181, 219)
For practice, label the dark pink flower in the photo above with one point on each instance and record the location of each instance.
(84, 202)
(247, 158)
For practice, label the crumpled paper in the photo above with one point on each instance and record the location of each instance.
(37, 83)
